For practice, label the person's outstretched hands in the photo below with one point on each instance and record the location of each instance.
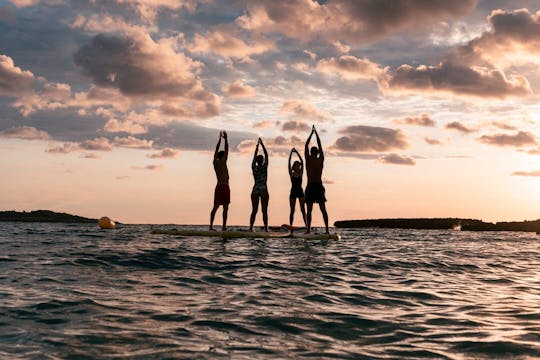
(225, 135)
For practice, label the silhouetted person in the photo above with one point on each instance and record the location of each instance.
(315, 189)
(222, 193)
(259, 166)
(296, 171)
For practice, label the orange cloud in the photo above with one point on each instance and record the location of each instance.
(420, 120)
(24, 133)
(238, 89)
(519, 139)
(303, 109)
(362, 138)
(456, 125)
(396, 159)
(13, 80)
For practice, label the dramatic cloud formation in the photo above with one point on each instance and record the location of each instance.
(396, 159)
(519, 139)
(238, 89)
(457, 79)
(139, 67)
(356, 22)
(24, 133)
(166, 153)
(456, 125)
(13, 80)
(420, 120)
(513, 39)
(527, 173)
(303, 109)
(362, 138)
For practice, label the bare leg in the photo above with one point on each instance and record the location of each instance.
(212, 215)
(292, 202)
(322, 205)
(264, 206)
(225, 212)
(254, 208)
(303, 209)
(308, 217)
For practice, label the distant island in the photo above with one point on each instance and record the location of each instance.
(441, 224)
(43, 216)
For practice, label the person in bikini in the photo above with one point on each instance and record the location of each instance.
(222, 192)
(259, 166)
(315, 190)
(296, 171)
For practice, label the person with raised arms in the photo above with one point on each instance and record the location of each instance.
(296, 171)
(222, 192)
(315, 192)
(259, 167)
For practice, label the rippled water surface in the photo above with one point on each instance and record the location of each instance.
(72, 291)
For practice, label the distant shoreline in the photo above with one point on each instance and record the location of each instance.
(395, 223)
(43, 216)
(440, 224)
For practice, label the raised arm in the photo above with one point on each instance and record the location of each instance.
(265, 153)
(319, 145)
(290, 157)
(226, 145)
(306, 150)
(255, 153)
(217, 146)
(300, 157)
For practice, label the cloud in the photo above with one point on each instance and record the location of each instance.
(91, 156)
(294, 125)
(351, 68)
(238, 89)
(65, 148)
(303, 109)
(519, 139)
(357, 22)
(13, 80)
(148, 9)
(503, 126)
(166, 153)
(513, 38)
(114, 126)
(420, 120)
(431, 141)
(24, 133)
(527, 173)
(362, 138)
(141, 68)
(456, 79)
(263, 124)
(52, 96)
(227, 43)
(396, 159)
(456, 125)
(97, 144)
(132, 142)
(149, 167)
(278, 146)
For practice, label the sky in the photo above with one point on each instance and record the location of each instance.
(425, 108)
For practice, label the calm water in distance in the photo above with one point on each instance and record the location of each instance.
(74, 291)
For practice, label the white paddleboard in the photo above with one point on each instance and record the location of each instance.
(245, 234)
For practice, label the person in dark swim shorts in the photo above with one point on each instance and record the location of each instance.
(222, 193)
(315, 189)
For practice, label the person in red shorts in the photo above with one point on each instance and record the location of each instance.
(222, 193)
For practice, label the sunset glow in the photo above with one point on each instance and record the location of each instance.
(425, 109)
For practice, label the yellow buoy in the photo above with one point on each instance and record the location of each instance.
(106, 223)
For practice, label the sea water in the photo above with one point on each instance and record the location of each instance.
(74, 291)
